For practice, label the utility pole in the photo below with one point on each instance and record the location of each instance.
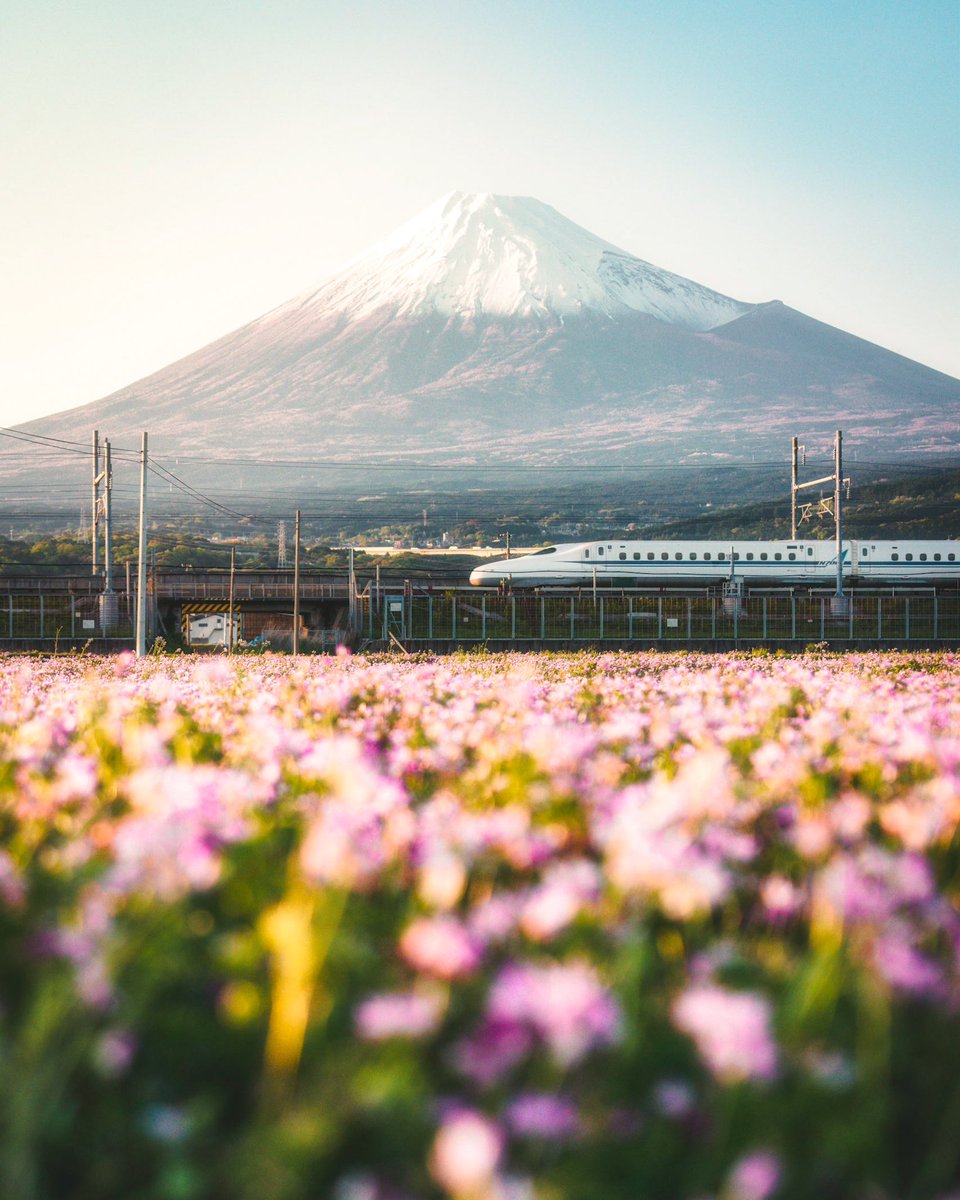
(142, 555)
(508, 546)
(838, 483)
(107, 515)
(296, 585)
(108, 601)
(152, 611)
(233, 560)
(281, 545)
(352, 600)
(798, 454)
(95, 510)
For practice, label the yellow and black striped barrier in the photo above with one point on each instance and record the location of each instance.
(201, 608)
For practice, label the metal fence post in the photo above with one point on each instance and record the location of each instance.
(430, 617)
(713, 618)
(822, 621)
(659, 618)
(906, 619)
(543, 619)
(936, 617)
(879, 618)
(483, 618)
(793, 617)
(572, 626)
(601, 620)
(453, 616)
(513, 618)
(764, 618)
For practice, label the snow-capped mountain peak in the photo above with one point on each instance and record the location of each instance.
(478, 254)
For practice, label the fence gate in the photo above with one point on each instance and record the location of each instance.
(394, 617)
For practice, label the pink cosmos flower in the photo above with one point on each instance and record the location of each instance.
(566, 888)
(780, 897)
(754, 1177)
(731, 1030)
(398, 1014)
(12, 889)
(564, 1004)
(440, 946)
(114, 1052)
(465, 1153)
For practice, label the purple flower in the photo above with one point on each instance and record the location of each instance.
(903, 966)
(543, 1115)
(488, 1054)
(731, 1030)
(564, 1004)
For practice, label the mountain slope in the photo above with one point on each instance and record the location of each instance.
(492, 329)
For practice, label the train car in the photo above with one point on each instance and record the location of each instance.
(700, 562)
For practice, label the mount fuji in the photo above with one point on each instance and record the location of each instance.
(491, 329)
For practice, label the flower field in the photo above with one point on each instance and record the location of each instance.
(518, 927)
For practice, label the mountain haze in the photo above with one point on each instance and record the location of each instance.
(491, 329)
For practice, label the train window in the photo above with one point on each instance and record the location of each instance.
(722, 555)
(749, 556)
(678, 556)
(693, 556)
(895, 557)
(936, 558)
(664, 556)
(778, 556)
(586, 553)
(792, 556)
(810, 551)
(763, 555)
(600, 550)
(923, 558)
(950, 557)
(650, 555)
(549, 550)
(736, 556)
(908, 557)
(635, 554)
(622, 556)
(706, 556)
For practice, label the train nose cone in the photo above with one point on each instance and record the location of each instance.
(476, 576)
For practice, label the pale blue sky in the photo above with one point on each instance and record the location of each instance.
(171, 170)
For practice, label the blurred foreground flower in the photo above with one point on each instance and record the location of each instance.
(731, 1030)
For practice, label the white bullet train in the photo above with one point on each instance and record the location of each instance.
(636, 564)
